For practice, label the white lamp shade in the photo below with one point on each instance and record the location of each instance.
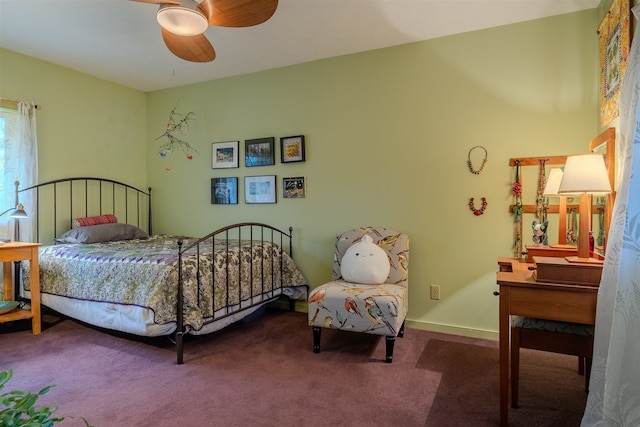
(585, 173)
(184, 20)
(553, 183)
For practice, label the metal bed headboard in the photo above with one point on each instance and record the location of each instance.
(58, 202)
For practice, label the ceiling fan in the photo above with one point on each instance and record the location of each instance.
(183, 22)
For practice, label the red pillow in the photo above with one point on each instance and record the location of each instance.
(94, 220)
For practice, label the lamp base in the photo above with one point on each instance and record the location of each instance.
(579, 260)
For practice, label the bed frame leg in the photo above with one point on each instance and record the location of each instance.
(179, 346)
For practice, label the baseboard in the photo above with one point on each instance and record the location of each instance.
(425, 326)
(453, 330)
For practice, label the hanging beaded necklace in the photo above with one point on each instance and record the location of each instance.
(478, 212)
(484, 161)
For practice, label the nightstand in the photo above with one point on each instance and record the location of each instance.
(22, 251)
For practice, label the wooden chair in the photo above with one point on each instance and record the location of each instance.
(546, 335)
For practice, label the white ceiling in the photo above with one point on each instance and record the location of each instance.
(120, 41)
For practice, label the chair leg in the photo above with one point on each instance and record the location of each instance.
(401, 331)
(581, 365)
(587, 373)
(515, 365)
(390, 342)
(316, 339)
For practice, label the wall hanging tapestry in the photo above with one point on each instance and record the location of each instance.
(614, 36)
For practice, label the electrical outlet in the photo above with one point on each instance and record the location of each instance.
(435, 291)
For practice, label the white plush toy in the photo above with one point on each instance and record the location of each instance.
(365, 262)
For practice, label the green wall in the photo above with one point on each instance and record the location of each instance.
(86, 127)
(387, 137)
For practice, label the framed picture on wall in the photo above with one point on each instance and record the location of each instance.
(260, 189)
(292, 149)
(224, 154)
(293, 187)
(259, 152)
(224, 191)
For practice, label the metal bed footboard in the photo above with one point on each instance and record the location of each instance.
(253, 231)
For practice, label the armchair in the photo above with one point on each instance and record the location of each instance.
(378, 309)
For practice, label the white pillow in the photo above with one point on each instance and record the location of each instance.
(365, 262)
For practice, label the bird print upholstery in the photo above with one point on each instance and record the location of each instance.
(378, 309)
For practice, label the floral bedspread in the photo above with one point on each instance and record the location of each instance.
(145, 273)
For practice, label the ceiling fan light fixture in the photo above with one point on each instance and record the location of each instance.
(185, 20)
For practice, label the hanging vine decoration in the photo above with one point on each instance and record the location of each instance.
(177, 127)
(541, 203)
(516, 190)
(518, 210)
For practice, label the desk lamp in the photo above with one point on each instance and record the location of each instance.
(18, 211)
(584, 175)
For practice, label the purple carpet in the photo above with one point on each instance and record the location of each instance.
(264, 373)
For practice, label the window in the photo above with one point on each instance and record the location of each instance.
(18, 162)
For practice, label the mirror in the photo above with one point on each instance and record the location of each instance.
(563, 227)
(602, 206)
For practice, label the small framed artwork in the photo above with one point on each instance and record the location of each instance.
(292, 149)
(224, 154)
(260, 189)
(293, 187)
(259, 152)
(224, 191)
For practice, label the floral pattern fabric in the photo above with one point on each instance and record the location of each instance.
(145, 273)
(375, 309)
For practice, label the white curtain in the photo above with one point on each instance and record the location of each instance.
(20, 164)
(614, 390)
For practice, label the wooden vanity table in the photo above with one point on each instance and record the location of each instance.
(522, 295)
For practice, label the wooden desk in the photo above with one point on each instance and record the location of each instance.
(521, 295)
(21, 251)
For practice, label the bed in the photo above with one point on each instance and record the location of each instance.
(101, 264)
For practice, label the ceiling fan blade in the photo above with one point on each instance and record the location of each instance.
(158, 1)
(238, 13)
(190, 48)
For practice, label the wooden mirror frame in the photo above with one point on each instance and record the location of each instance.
(605, 144)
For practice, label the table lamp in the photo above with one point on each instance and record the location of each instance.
(584, 175)
(551, 190)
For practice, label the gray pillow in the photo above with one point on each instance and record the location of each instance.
(102, 233)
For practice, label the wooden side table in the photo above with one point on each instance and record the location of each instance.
(22, 251)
